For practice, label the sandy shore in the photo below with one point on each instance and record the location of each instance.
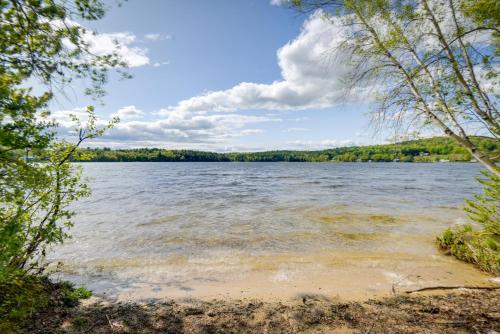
(276, 277)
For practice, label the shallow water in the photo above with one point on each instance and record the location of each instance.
(155, 230)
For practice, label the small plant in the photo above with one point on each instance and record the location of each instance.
(80, 322)
(71, 296)
(478, 246)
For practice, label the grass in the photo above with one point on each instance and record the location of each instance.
(478, 247)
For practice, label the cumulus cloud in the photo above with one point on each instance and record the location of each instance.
(64, 118)
(173, 128)
(187, 128)
(128, 112)
(121, 43)
(312, 76)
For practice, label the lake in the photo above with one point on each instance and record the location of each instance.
(268, 230)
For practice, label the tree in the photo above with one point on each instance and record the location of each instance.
(40, 41)
(432, 63)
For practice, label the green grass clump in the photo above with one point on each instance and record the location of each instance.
(72, 295)
(480, 246)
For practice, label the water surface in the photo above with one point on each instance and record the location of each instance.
(157, 230)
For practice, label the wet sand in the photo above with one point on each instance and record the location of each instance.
(275, 277)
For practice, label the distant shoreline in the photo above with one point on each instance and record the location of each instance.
(438, 149)
(329, 162)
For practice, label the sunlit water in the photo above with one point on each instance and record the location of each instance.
(159, 230)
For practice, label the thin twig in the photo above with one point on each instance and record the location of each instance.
(454, 288)
(110, 324)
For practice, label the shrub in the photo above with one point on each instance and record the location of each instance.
(478, 246)
(20, 297)
(37, 181)
(25, 295)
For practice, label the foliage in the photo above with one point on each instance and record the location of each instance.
(40, 42)
(485, 208)
(424, 150)
(23, 296)
(481, 247)
(487, 14)
(20, 297)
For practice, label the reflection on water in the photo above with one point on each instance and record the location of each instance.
(151, 227)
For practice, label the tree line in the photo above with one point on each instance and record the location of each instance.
(422, 150)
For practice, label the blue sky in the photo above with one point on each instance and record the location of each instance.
(223, 75)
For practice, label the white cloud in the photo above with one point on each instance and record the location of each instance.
(128, 112)
(185, 128)
(319, 145)
(312, 76)
(64, 118)
(157, 37)
(121, 43)
(174, 128)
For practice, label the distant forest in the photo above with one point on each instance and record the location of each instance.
(422, 150)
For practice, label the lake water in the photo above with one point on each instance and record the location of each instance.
(270, 230)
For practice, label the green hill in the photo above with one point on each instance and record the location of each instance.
(422, 150)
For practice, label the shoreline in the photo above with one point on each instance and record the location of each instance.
(348, 275)
(286, 277)
(284, 161)
(435, 149)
